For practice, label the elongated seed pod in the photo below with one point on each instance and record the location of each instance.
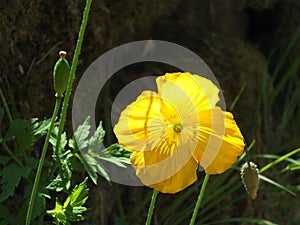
(61, 74)
(249, 175)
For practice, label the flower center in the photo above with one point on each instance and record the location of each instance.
(177, 127)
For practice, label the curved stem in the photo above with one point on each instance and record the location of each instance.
(41, 163)
(246, 152)
(7, 149)
(72, 73)
(10, 119)
(151, 207)
(200, 197)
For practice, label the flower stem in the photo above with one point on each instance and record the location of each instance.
(41, 163)
(151, 207)
(200, 197)
(72, 73)
(5, 106)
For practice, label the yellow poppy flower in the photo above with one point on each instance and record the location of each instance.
(175, 130)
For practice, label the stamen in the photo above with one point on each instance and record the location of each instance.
(177, 128)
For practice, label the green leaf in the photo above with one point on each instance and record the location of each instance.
(58, 156)
(40, 128)
(21, 130)
(96, 140)
(25, 132)
(118, 152)
(82, 133)
(62, 182)
(276, 184)
(282, 158)
(4, 160)
(72, 208)
(91, 170)
(5, 216)
(11, 176)
(40, 204)
(92, 157)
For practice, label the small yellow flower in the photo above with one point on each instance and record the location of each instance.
(175, 130)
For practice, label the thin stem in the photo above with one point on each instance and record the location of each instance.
(5, 106)
(247, 154)
(151, 207)
(41, 163)
(72, 74)
(119, 200)
(7, 149)
(200, 197)
(10, 119)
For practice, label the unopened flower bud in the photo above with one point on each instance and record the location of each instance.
(249, 175)
(61, 74)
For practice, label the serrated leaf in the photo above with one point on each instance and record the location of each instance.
(18, 128)
(4, 160)
(72, 144)
(72, 208)
(25, 132)
(82, 133)
(41, 128)
(96, 141)
(92, 171)
(58, 156)
(11, 176)
(62, 182)
(40, 204)
(78, 196)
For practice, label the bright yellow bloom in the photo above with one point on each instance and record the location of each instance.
(175, 130)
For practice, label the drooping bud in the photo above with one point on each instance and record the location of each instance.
(249, 175)
(61, 74)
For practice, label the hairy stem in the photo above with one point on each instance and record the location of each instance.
(151, 207)
(72, 74)
(41, 163)
(200, 197)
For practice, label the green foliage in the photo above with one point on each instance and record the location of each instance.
(71, 210)
(22, 135)
(11, 177)
(94, 152)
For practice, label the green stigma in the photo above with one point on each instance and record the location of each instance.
(177, 127)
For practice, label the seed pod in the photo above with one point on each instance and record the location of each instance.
(249, 175)
(61, 74)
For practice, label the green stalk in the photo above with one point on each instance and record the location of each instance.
(41, 163)
(7, 149)
(72, 73)
(151, 207)
(200, 197)
(5, 106)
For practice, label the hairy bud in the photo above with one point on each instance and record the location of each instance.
(249, 175)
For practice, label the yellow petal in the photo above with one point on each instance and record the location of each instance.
(188, 92)
(167, 174)
(142, 126)
(220, 141)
